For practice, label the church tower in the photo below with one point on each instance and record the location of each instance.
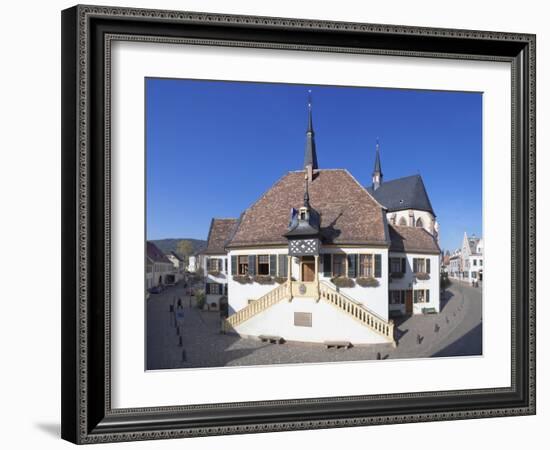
(377, 173)
(310, 156)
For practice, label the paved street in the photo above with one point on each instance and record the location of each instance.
(196, 341)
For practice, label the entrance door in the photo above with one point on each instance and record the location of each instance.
(308, 270)
(409, 302)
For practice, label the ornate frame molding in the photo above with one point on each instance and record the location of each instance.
(88, 32)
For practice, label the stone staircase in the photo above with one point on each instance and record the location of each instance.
(281, 292)
(327, 293)
(357, 311)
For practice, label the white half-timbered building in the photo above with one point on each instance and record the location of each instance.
(321, 258)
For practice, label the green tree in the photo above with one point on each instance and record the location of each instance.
(185, 248)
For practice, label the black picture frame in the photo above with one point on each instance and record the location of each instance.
(87, 416)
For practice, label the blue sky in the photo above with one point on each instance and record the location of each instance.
(214, 147)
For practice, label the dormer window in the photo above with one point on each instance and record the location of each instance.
(303, 214)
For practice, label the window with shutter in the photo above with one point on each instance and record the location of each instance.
(365, 266)
(404, 265)
(263, 265)
(252, 265)
(377, 265)
(281, 266)
(273, 265)
(327, 266)
(352, 266)
(233, 265)
(338, 265)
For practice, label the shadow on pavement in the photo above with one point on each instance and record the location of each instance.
(470, 344)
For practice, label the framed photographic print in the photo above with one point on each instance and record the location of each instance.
(279, 224)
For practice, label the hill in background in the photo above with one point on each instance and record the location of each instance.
(170, 245)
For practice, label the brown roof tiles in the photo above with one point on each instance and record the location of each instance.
(412, 239)
(349, 214)
(220, 232)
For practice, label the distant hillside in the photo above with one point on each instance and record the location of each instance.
(169, 245)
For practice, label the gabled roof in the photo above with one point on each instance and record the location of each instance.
(219, 234)
(155, 254)
(411, 240)
(178, 257)
(348, 213)
(403, 193)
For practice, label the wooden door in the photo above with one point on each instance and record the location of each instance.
(409, 302)
(308, 271)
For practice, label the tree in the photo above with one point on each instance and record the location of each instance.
(185, 248)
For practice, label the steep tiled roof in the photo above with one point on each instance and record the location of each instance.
(220, 232)
(412, 239)
(349, 214)
(403, 193)
(154, 253)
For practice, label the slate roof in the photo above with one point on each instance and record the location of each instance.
(155, 254)
(219, 234)
(349, 214)
(403, 193)
(473, 241)
(411, 240)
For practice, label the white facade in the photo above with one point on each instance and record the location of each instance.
(415, 218)
(160, 273)
(178, 267)
(327, 324)
(192, 263)
(374, 298)
(215, 275)
(467, 262)
(408, 293)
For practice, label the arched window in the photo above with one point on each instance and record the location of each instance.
(402, 222)
(419, 223)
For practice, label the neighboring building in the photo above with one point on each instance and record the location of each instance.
(192, 263)
(179, 266)
(334, 269)
(472, 258)
(455, 264)
(159, 269)
(405, 199)
(215, 262)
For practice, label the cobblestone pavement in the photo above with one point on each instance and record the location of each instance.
(195, 340)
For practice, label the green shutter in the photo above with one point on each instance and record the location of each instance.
(352, 266)
(404, 265)
(273, 265)
(327, 265)
(427, 296)
(233, 264)
(415, 265)
(251, 265)
(377, 265)
(207, 289)
(282, 269)
(427, 265)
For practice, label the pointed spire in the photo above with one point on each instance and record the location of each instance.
(310, 157)
(306, 195)
(377, 173)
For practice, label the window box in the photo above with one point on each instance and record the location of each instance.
(367, 282)
(396, 275)
(242, 279)
(280, 280)
(422, 276)
(214, 273)
(342, 282)
(263, 279)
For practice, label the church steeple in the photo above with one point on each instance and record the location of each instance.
(377, 173)
(310, 157)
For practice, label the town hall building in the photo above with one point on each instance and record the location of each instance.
(321, 258)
